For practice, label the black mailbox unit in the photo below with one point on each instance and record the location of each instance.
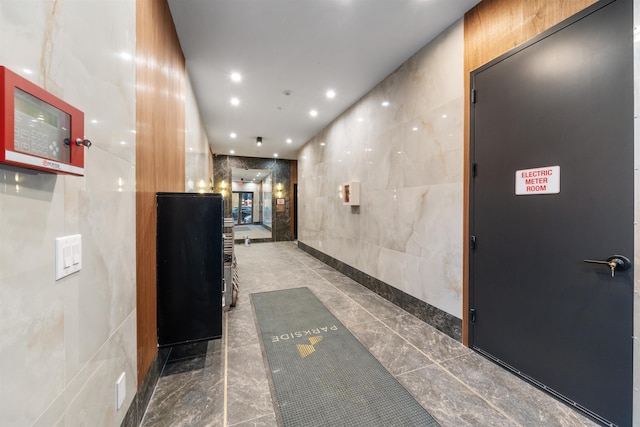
(189, 267)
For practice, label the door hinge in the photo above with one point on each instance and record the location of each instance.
(473, 96)
(472, 315)
(473, 242)
(474, 169)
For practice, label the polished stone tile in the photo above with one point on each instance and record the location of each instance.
(349, 312)
(266, 421)
(411, 171)
(432, 342)
(450, 401)
(242, 328)
(249, 395)
(392, 351)
(454, 384)
(378, 306)
(190, 390)
(522, 401)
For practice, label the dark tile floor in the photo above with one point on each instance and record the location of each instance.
(224, 382)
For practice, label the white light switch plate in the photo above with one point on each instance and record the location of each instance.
(68, 255)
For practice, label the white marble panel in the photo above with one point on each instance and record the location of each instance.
(407, 156)
(57, 337)
(99, 40)
(196, 146)
(106, 294)
(636, 250)
(32, 345)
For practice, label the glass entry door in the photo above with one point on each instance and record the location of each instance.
(242, 209)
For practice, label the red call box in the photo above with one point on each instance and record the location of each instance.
(39, 130)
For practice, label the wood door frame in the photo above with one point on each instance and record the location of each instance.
(484, 42)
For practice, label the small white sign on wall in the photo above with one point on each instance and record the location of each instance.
(538, 181)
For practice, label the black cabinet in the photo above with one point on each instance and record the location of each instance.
(189, 267)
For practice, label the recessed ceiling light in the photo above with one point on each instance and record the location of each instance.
(126, 56)
(289, 141)
(190, 148)
(385, 104)
(313, 113)
(322, 144)
(414, 128)
(444, 116)
(232, 152)
(236, 77)
(123, 142)
(94, 121)
(275, 154)
(331, 94)
(27, 71)
(235, 101)
(233, 135)
(360, 119)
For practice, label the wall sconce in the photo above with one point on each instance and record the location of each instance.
(223, 186)
(279, 193)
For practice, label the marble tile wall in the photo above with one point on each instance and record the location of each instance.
(636, 220)
(408, 158)
(64, 343)
(196, 145)
(280, 173)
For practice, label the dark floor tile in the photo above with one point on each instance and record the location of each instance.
(248, 396)
(434, 343)
(525, 403)
(449, 401)
(393, 352)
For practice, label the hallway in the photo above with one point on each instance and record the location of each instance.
(224, 382)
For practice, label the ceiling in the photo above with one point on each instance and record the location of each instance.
(289, 54)
(250, 175)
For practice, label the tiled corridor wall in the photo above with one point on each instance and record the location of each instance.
(63, 344)
(280, 174)
(407, 156)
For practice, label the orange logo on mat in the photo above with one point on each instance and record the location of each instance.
(307, 349)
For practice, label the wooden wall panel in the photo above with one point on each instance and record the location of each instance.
(160, 140)
(491, 29)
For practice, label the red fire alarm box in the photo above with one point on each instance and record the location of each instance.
(39, 130)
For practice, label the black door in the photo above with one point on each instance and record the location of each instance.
(552, 147)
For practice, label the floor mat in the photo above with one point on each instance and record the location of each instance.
(321, 374)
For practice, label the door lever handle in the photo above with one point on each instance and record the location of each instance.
(615, 262)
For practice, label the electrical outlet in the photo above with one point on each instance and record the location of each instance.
(121, 390)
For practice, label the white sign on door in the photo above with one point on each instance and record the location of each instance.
(538, 181)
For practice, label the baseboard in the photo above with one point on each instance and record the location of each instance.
(136, 411)
(439, 319)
